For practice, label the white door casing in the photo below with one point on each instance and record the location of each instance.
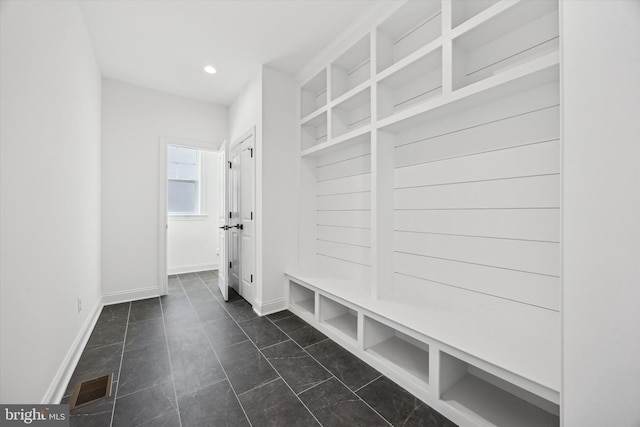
(222, 223)
(163, 216)
(234, 233)
(247, 214)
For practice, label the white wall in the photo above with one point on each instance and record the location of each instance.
(192, 243)
(246, 111)
(133, 121)
(601, 226)
(269, 103)
(50, 189)
(281, 177)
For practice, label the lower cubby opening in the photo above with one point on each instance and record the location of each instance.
(392, 347)
(339, 317)
(487, 399)
(302, 298)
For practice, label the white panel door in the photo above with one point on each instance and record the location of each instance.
(222, 223)
(234, 234)
(247, 172)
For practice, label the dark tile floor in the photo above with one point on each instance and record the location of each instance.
(191, 359)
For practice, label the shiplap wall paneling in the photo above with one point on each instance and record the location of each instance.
(438, 188)
(524, 31)
(477, 200)
(410, 28)
(309, 217)
(530, 117)
(343, 211)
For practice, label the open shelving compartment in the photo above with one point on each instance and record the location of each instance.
(314, 131)
(408, 29)
(351, 69)
(463, 10)
(404, 354)
(340, 318)
(514, 36)
(313, 94)
(413, 84)
(351, 114)
(334, 226)
(302, 298)
(489, 400)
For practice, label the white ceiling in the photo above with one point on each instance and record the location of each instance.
(164, 44)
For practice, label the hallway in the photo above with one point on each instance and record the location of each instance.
(189, 359)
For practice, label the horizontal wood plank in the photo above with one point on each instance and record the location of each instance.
(541, 291)
(531, 192)
(535, 257)
(528, 224)
(536, 159)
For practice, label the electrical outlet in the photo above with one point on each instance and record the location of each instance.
(79, 305)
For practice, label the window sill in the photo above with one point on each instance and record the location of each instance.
(187, 217)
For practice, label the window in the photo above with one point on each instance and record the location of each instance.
(184, 186)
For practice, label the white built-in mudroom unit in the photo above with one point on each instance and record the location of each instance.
(450, 190)
(433, 207)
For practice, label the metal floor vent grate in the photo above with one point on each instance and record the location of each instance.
(90, 391)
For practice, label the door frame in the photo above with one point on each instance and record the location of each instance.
(163, 214)
(246, 135)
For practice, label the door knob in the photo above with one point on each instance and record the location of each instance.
(224, 227)
(238, 226)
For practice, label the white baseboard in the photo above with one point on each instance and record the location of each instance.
(263, 308)
(192, 268)
(132, 295)
(56, 390)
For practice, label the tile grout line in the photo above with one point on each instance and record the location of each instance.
(316, 385)
(166, 341)
(353, 392)
(375, 379)
(215, 353)
(124, 342)
(283, 380)
(278, 343)
(261, 385)
(274, 369)
(277, 372)
(332, 374)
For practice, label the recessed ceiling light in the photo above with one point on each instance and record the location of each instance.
(210, 69)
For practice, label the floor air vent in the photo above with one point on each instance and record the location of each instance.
(90, 391)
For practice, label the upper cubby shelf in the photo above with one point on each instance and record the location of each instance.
(411, 85)
(516, 35)
(313, 95)
(463, 10)
(359, 136)
(541, 71)
(352, 113)
(351, 69)
(314, 130)
(411, 27)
